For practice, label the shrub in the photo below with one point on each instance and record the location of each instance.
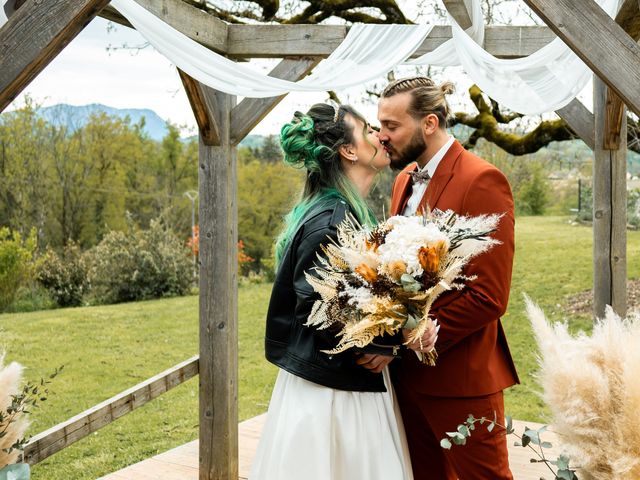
(66, 277)
(16, 263)
(140, 265)
(532, 195)
(633, 208)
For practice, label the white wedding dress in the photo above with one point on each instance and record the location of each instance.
(319, 433)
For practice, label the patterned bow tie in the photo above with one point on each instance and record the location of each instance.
(419, 176)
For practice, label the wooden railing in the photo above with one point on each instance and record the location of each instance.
(64, 434)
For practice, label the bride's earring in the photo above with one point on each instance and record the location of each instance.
(353, 162)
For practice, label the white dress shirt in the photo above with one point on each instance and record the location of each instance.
(419, 189)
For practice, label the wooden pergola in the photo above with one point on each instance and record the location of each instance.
(39, 29)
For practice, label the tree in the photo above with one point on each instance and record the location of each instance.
(270, 150)
(266, 192)
(24, 168)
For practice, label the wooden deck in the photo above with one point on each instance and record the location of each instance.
(181, 463)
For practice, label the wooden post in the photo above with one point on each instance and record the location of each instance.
(609, 203)
(34, 35)
(218, 297)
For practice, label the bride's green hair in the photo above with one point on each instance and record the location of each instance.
(311, 141)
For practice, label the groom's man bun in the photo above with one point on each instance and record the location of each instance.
(426, 97)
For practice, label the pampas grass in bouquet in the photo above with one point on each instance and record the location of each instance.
(591, 384)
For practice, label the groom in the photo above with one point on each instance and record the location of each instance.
(474, 364)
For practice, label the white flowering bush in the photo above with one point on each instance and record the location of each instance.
(139, 265)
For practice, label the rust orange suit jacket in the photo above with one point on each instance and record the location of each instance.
(474, 357)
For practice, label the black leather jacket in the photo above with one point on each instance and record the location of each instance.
(290, 344)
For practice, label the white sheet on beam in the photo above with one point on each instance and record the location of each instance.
(366, 53)
(544, 81)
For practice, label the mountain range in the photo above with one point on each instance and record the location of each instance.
(77, 116)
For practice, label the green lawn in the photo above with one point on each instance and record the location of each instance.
(108, 349)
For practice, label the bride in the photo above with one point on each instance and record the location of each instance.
(329, 417)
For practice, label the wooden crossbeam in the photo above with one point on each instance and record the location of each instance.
(250, 111)
(279, 41)
(458, 10)
(580, 119)
(197, 24)
(598, 40)
(34, 35)
(321, 40)
(218, 213)
(204, 109)
(61, 436)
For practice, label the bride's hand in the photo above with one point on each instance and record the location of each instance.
(428, 339)
(374, 363)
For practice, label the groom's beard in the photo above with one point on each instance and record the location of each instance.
(416, 147)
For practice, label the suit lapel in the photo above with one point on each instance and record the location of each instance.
(402, 190)
(441, 177)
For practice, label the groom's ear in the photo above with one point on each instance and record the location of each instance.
(430, 123)
(348, 152)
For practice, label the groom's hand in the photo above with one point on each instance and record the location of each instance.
(428, 339)
(374, 363)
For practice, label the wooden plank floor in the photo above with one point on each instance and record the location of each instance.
(181, 463)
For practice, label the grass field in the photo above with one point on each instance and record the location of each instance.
(108, 349)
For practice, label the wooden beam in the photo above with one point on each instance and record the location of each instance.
(218, 298)
(278, 41)
(628, 18)
(458, 10)
(609, 213)
(614, 112)
(251, 111)
(197, 24)
(204, 109)
(596, 38)
(11, 6)
(61, 436)
(34, 35)
(273, 41)
(110, 13)
(581, 121)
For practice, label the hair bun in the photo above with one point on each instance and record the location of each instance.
(297, 139)
(447, 88)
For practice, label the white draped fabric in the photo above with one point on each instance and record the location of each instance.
(544, 81)
(367, 52)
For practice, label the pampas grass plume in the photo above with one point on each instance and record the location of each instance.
(591, 384)
(10, 384)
